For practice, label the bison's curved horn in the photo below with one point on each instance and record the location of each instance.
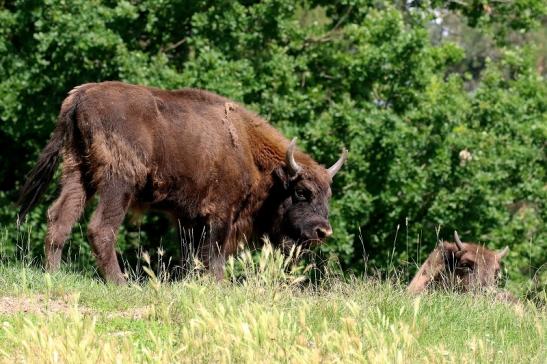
(292, 165)
(502, 252)
(339, 163)
(458, 241)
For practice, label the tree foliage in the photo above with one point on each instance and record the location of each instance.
(426, 149)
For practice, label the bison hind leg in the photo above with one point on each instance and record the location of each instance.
(63, 214)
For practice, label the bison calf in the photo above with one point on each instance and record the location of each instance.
(201, 158)
(461, 266)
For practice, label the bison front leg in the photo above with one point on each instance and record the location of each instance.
(217, 265)
(213, 258)
(215, 250)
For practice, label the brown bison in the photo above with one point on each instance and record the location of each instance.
(201, 158)
(462, 266)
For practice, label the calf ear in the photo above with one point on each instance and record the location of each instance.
(449, 247)
(453, 249)
(502, 253)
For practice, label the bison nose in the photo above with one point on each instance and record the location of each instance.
(323, 232)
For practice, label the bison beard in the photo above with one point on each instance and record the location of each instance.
(201, 158)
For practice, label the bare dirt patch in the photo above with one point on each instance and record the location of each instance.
(41, 304)
(10, 305)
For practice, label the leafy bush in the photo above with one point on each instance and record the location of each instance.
(425, 150)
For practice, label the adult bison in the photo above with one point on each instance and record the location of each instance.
(201, 158)
(462, 266)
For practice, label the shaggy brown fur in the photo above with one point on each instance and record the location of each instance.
(461, 266)
(203, 159)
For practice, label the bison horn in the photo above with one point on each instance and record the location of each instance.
(339, 163)
(502, 252)
(458, 241)
(294, 168)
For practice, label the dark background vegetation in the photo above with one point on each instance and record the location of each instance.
(405, 85)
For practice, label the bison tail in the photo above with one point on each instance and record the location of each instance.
(41, 175)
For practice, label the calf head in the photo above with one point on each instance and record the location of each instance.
(460, 266)
(302, 215)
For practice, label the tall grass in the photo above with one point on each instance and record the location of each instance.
(263, 312)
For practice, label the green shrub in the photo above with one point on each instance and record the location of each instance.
(428, 148)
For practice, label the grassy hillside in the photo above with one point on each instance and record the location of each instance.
(265, 315)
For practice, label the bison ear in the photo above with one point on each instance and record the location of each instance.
(280, 173)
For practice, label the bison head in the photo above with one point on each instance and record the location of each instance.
(461, 266)
(301, 212)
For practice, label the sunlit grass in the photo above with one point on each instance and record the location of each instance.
(263, 312)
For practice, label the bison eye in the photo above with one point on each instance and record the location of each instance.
(466, 265)
(301, 194)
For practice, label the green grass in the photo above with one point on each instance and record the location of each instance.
(269, 316)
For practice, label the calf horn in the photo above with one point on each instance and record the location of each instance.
(339, 163)
(293, 167)
(458, 241)
(502, 252)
